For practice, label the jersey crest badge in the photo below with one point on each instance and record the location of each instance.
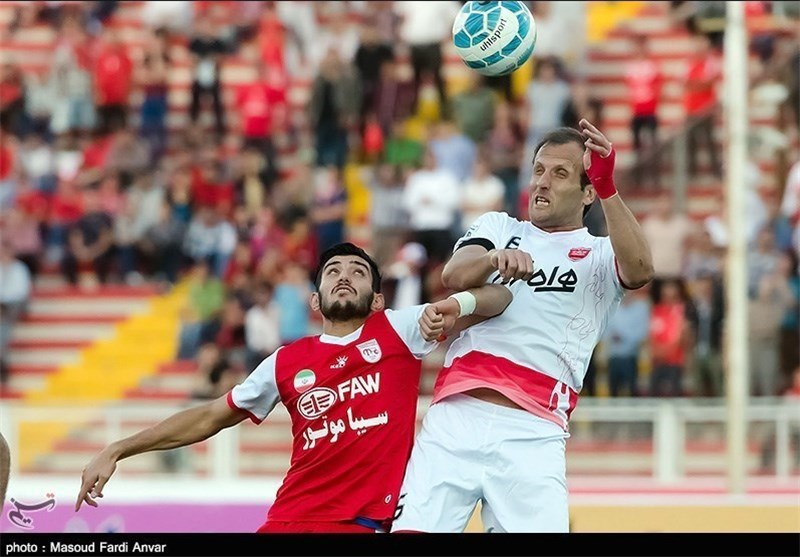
(370, 350)
(576, 254)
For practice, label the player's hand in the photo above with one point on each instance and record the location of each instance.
(595, 141)
(598, 160)
(94, 478)
(438, 318)
(512, 264)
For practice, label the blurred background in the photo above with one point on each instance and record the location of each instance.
(170, 171)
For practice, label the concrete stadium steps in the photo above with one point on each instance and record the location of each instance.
(81, 332)
(670, 46)
(173, 382)
(46, 357)
(60, 322)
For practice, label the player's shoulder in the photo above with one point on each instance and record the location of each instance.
(598, 243)
(300, 346)
(596, 240)
(496, 218)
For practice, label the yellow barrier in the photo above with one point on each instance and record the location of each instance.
(602, 17)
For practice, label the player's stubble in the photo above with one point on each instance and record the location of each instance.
(348, 310)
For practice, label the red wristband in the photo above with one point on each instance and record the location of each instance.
(601, 174)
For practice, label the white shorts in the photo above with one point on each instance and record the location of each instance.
(470, 450)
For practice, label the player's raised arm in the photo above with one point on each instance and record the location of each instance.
(181, 429)
(462, 310)
(630, 246)
(483, 250)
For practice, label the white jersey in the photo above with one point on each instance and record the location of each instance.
(537, 351)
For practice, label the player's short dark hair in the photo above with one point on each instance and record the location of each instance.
(346, 248)
(564, 136)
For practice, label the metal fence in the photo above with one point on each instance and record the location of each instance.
(600, 429)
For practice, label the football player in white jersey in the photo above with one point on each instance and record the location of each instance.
(497, 426)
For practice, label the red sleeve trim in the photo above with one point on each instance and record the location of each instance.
(619, 277)
(229, 400)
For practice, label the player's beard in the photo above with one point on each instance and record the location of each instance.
(349, 310)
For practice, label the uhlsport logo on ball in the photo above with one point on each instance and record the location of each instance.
(494, 38)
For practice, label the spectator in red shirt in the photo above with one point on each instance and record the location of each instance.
(240, 267)
(12, 99)
(66, 207)
(262, 109)
(643, 78)
(271, 38)
(668, 334)
(113, 77)
(209, 188)
(95, 149)
(699, 100)
(8, 171)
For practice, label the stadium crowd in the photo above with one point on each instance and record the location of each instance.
(94, 176)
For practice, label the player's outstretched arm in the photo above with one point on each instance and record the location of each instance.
(181, 429)
(5, 467)
(462, 310)
(627, 239)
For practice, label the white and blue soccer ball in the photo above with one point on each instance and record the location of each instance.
(494, 38)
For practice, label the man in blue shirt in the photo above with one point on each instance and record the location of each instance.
(626, 331)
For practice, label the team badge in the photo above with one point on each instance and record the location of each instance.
(370, 350)
(576, 254)
(304, 380)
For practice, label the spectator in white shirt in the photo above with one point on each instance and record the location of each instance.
(261, 327)
(432, 198)
(15, 289)
(483, 192)
(425, 25)
(667, 232)
(790, 204)
(210, 238)
(404, 286)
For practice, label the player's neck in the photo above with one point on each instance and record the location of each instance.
(559, 228)
(341, 328)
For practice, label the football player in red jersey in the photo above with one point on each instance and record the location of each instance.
(351, 393)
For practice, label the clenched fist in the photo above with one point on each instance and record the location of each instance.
(438, 319)
(512, 264)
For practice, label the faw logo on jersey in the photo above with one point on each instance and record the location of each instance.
(316, 402)
(576, 254)
(370, 350)
(304, 380)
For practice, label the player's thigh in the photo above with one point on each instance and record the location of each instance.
(441, 485)
(526, 491)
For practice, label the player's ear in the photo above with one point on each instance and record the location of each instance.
(315, 302)
(589, 195)
(378, 303)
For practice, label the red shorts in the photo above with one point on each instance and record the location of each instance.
(273, 527)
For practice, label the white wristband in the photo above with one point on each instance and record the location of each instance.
(466, 301)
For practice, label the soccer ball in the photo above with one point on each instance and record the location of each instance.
(494, 38)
